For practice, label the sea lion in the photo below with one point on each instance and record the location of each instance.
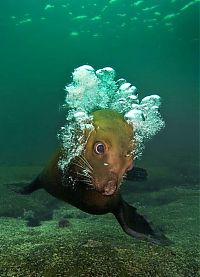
(91, 181)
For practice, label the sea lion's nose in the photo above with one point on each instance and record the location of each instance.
(110, 188)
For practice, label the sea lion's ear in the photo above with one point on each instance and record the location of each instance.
(137, 174)
(135, 225)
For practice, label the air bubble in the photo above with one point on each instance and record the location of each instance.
(134, 115)
(124, 87)
(84, 74)
(151, 100)
(106, 73)
(80, 115)
(133, 98)
(132, 90)
(120, 82)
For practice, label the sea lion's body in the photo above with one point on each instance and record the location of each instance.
(99, 193)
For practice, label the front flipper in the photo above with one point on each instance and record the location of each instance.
(137, 226)
(25, 188)
(137, 174)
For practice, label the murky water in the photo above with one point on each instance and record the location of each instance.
(153, 45)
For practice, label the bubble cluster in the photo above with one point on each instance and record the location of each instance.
(72, 136)
(92, 90)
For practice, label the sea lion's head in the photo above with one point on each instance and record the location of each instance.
(108, 153)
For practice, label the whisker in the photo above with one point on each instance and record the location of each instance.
(84, 174)
(86, 171)
(86, 180)
(82, 166)
(87, 177)
(86, 162)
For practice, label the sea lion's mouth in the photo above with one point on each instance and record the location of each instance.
(108, 185)
(110, 188)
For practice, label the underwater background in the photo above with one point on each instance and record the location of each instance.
(155, 46)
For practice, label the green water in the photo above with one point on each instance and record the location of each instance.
(155, 46)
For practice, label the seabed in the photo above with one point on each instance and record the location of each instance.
(95, 245)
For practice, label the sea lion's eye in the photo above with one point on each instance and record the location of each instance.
(99, 148)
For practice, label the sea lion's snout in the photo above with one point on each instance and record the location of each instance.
(107, 185)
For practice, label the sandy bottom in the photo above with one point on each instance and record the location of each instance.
(95, 245)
